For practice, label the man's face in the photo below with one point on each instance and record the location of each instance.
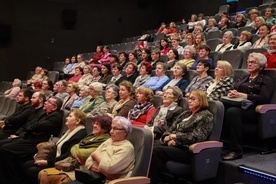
(20, 99)
(35, 101)
(50, 105)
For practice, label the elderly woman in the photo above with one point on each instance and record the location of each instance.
(172, 58)
(83, 96)
(61, 89)
(269, 19)
(244, 42)
(80, 152)
(36, 77)
(87, 77)
(145, 71)
(166, 113)
(117, 78)
(199, 81)
(157, 82)
(253, 13)
(226, 42)
(131, 72)
(111, 93)
(164, 46)
(240, 21)
(13, 92)
(105, 73)
(47, 88)
(259, 22)
(262, 42)
(271, 54)
(96, 99)
(96, 73)
(97, 56)
(68, 65)
(75, 123)
(203, 54)
(126, 102)
(143, 112)
(222, 83)
(80, 61)
(211, 25)
(189, 53)
(223, 24)
(255, 88)
(72, 89)
(44, 74)
(191, 126)
(77, 75)
(179, 71)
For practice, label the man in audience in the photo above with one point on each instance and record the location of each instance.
(22, 146)
(20, 116)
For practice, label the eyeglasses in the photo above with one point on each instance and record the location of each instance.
(116, 128)
(252, 62)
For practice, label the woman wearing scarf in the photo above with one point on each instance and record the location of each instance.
(144, 110)
(271, 52)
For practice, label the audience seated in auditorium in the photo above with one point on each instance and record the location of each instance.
(20, 116)
(16, 87)
(253, 13)
(223, 24)
(105, 74)
(117, 78)
(255, 88)
(164, 46)
(79, 152)
(143, 111)
(192, 23)
(226, 42)
(111, 94)
(73, 62)
(190, 39)
(178, 72)
(244, 41)
(199, 40)
(271, 52)
(19, 148)
(68, 65)
(222, 15)
(113, 60)
(72, 89)
(175, 44)
(131, 72)
(36, 77)
(172, 58)
(97, 56)
(83, 96)
(44, 74)
(222, 83)
(47, 88)
(191, 126)
(96, 98)
(269, 19)
(61, 89)
(123, 59)
(96, 73)
(211, 25)
(183, 34)
(189, 53)
(200, 20)
(171, 30)
(155, 58)
(160, 79)
(77, 75)
(105, 58)
(145, 72)
(262, 42)
(161, 28)
(145, 55)
(127, 100)
(132, 57)
(199, 81)
(240, 21)
(258, 23)
(197, 30)
(80, 61)
(166, 113)
(203, 54)
(75, 122)
(37, 86)
(86, 77)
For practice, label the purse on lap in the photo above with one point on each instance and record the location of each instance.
(67, 164)
(46, 150)
(88, 177)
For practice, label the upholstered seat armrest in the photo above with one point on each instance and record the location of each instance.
(198, 147)
(262, 109)
(131, 180)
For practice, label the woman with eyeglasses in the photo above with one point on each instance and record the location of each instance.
(189, 53)
(254, 89)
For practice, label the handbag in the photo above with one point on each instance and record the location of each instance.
(236, 102)
(67, 164)
(88, 177)
(46, 150)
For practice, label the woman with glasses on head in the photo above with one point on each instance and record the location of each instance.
(255, 89)
(191, 126)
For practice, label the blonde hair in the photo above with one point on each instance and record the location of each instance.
(147, 92)
(228, 69)
(202, 98)
(79, 115)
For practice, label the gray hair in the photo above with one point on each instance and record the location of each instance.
(114, 88)
(271, 34)
(191, 48)
(213, 20)
(229, 33)
(176, 92)
(85, 88)
(98, 87)
(18, 82)
(260, 58)
(124, 122)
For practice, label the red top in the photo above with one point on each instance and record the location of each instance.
(96, 57)
(271, 60)
(144, 119)
(75, 78)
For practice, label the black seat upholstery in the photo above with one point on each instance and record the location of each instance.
(235, 57)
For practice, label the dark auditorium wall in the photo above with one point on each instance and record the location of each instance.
(38, 35)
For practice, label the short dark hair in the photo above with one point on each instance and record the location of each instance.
(118, 66)
(27, 93)
(205, 63)
(58, 102)
(105, 122)
(147, 65)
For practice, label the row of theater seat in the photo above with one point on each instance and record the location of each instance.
(7, 106)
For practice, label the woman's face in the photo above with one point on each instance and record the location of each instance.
(45, 85)
(98, 49)
(175, 43)
(140, 97)
(203, 53)
(154, 56)
(122, 58)
(117, 132)
(268, 13)
(187, 54)
(105, 50)
(67, 61)
(79, 59)
(171, 55)
(131, 57)
(83, 93)
(42, 73)
(258, 22)
(104, 70)
(144, 55)
(61, 88)
(70, 89)
(37, 71)
(198, 39)
(200, 68)
(93, 92)
(86, 70)
(163, 43)
(193, 102)
(116, 71)
(77, 72)
(253, 65)
(272, 42)
(95, 72)
(263, 31)
(168, 97)
(253, 16)
(55, 87)
(123, 92)
(239, 19)
(129, 70)
(159, 71)
(143, 70)
(243, 38)
(73, 59)
(178, 71)
(210, 23)
(189, 40)
(109, 94)
(219, 71)
(71, 120)
(97, 129)
(223, 22)
(226, 39)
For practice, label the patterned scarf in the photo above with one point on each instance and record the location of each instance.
(139, 109)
